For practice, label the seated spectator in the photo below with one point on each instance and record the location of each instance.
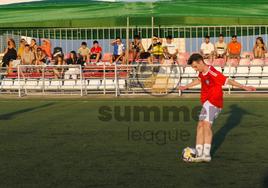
(95, 51)
(207, 49)
(234, 49)
(83, 52)
(59, 71)
(156, 50)
(46, 47)
(10, 53)
(172, 47)
(27, 57)
(259, 49)
(72, 60)
(167, 57)
(40, 57)
(136, 48)
(221, 48)
(119, 51)
(33, 46)
(21, 47)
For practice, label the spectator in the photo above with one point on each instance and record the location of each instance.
(155, 50)
(136, 48)
(40, 57)
(33, 46)
(46, 47)
(72, 60)
(59, 70)
(221, 48)
(207, 49)
(27, 57)
(83, 52)
(167, 57)
(10, 53)
(95, 51)
(234, 49)
(119, 51)
(259, 49)
(172, 47)
(21, 47)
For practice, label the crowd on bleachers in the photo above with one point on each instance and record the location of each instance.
(159, 51)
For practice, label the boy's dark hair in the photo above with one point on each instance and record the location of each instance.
(221, 35)
(27, 45)
(117, 38)
(207, 37)
(137, 37)
(234, 36)
(169, 37)
(84, 44)
(95, 42)
(195, 57)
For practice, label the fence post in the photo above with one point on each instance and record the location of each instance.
(127, 41)
(115, 78)
(229, 87)
(81, 80)
(18, 70)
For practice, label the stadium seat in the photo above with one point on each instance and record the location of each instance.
(264, 83)
(253, 82)
(55, 84)
(68, 84)
(93, 84)
(107, 84)
(265, 71)
(259, 62)
(233, 62)
(255, 71)
(190, 72)
(242, 71)
(31, 84)
(7, 84)
(106, 57)
(219, 62)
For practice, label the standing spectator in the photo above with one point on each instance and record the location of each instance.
(40, 57)
(155, 50)
(259, 49)
(136, 47)
(46, 47)
(27, 57)
(95, 51)
(21, 47)
(172, 47)
(119, 51)
(72, 60)
(10, 53)
(83, 52)
(207, 49)
(221, 48)
(234, 49)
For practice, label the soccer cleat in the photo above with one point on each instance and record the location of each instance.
(197, 159)
(206, 158)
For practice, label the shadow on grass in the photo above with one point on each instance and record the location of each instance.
(265, 181)
(11, 115)
(234, 119)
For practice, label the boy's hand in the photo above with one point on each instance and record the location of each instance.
(249, 88)
(182, 88)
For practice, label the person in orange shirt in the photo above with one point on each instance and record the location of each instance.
(46, 47)
(234, 49)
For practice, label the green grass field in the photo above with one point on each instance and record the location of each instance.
(89, 13)
(65, 143)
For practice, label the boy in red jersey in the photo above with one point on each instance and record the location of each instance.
(211, 82)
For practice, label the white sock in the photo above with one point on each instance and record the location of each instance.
(199, 149)
(207, 148)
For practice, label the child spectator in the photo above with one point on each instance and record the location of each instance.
(21, 47)
(72, 60)
(83, 52)
(119, 51)
(221, 48)
(172, 47)
(27, 57)
(95, 51)
(136, 48)
(234, 49)
(259, 49)
(207, 49)
(58, 71)
(155, 50)
(167, 57)
(33, 46)
(40, 57)
(10, 53)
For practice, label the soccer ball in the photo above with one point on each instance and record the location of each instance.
(188, 154)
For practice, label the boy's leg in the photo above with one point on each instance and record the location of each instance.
(207, 141)
(199, 138)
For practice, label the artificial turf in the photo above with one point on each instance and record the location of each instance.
(67, 143)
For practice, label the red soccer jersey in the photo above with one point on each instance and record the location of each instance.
(211, 87)
(96, 50)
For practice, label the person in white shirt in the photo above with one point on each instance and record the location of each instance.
(207, 49)
(172, 48)
(221, 48)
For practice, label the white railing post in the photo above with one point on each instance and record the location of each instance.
(115, 79)
(81, 80)
(229, 87)
(18, 70)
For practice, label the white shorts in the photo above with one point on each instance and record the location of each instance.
(209, 112)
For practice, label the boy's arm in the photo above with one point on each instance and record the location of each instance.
(190, 85)
(236, 84)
